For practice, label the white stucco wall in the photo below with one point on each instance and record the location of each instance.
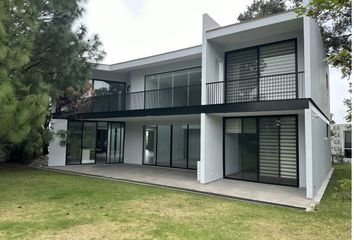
(321, 153)
(317, 84)
(317, 150)
(211, 148)
(56, 151)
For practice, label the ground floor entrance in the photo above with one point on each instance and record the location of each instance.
(261, 149)
(90, 142)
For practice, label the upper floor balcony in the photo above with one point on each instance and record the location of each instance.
(286, 86)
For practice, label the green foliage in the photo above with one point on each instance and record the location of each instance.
(335, 19)
(47, 205)
(42, 55)
(343, 190)
(262, 8)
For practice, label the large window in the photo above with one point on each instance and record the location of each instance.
(266, 72)
(348, 144)
(102, 87)
(173, 89)
(172, 145)
(262, 149)
(73, 143)
(109, 96)
(88, 142)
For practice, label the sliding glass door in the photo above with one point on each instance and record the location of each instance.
(172, 145)
(90, 142)
(150, 136)
(116, 134)
(241, 148)
(88, 148)
(163, 149)
(193, 146)
(262, 149)
(73, 143)
(179, 146)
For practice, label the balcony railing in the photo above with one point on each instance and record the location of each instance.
(159, 98)
(264, 88)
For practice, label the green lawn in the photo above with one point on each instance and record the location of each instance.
(38, 204)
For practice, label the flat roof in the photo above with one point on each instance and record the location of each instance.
(167, 57)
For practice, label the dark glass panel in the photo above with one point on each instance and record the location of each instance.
(179, 146)
(163, 145)
(74, 135)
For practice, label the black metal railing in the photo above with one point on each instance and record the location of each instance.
(263, 88)
(159, 98)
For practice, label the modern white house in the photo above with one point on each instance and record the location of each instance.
(250, 103)
(341, 142)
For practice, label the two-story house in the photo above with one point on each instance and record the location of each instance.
(250, 103)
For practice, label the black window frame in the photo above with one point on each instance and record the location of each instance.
(257, 47)
(81, 141)
(171, 145)
(258, 167)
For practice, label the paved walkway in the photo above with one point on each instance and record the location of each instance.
(187, 180)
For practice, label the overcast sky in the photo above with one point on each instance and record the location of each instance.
(132, 29)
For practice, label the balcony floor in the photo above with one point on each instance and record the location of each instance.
(186, 180)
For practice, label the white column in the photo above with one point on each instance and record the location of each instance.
(57, 152)
(211, 147)
(308, 153)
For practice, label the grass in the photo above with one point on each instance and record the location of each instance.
(38, 204)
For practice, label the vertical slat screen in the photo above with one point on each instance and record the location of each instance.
(268, 149)
(241, 76)
(288, 148)
(277, 78)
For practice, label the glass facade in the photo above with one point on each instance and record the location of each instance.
(88, 148)
(179, 146)
(115, 143)
(262, 73)
(172, 145)
(262, 149)
(73, 143)
(173, 89)
(164, 148)
(88, 142)
(348, 144)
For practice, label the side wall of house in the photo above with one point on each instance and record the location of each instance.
(316, 70)
(321, 154)
(57, 152)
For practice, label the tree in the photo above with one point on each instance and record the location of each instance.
(41, 58)
(261, 8)
(335, 19)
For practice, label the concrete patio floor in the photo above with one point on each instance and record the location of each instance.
(185, 179)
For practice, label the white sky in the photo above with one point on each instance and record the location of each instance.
(132, 29)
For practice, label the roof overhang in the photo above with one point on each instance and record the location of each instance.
(155, 60)
(259, 28)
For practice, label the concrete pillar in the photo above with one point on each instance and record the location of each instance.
(308, 154)
(211, 147)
